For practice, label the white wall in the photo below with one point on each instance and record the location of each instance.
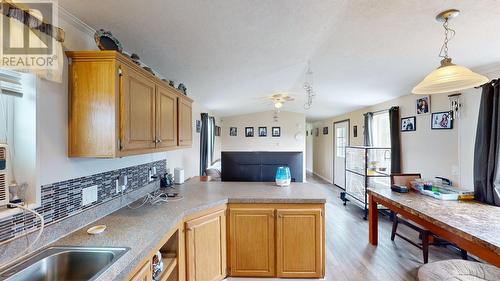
(447, 153)
(293, 126)
(52, 119)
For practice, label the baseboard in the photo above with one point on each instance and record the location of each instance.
(323, 178)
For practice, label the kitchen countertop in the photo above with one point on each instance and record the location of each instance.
(471, 220)
(142, 229)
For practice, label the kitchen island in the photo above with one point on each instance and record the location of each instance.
(146, 229)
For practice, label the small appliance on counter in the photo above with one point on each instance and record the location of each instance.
(178, 175)
(283, 177)
(166, 180)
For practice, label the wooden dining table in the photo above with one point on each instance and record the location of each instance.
(472, 226)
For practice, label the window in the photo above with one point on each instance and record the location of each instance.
(381, 130)
(340, 141)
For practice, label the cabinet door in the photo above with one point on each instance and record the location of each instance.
(144, 273)
(137, 112)
(299, 239)
(251, 242)
(166, 118)
(185, 123)
(206, 247)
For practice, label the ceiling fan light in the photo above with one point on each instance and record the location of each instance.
(449, 78)
(278, 104)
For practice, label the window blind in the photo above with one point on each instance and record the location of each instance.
(10, 82)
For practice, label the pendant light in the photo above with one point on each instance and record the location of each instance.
(448, 77)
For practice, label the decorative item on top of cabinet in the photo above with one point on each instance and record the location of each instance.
(116, 108)
(206, 247)
(106, 41)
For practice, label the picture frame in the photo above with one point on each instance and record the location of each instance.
(423, 105)
(249, 132)
(198, 126)
(325, 130)
(233, 131)
(409, 124)
(217, 131)
(276, 132)
(355, 131)
(262, 131)
(441, 121)
(307, 133)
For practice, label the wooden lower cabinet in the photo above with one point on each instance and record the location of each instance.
(251, 242)
(144, 273)
(276, 240)
(299, 239)
(206, 247)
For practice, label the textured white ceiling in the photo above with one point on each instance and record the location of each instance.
(231, 53)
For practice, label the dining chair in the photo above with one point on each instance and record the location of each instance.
(425, 235)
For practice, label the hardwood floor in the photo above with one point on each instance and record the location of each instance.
(350, 257)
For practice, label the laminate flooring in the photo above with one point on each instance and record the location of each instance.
(350, 257)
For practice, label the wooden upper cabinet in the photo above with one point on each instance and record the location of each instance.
(185, 122)
(251, 242)
(166, 117)
(299, 243)
(137, 115)
(116, 108)
(206, 247)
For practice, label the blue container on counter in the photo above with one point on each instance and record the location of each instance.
(283, 177)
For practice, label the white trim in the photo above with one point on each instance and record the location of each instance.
(322, 177)
(75, 21)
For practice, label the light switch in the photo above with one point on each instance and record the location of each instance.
(89, 195)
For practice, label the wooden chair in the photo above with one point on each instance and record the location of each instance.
(425, 235)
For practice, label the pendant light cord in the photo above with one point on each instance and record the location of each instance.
(448, 35)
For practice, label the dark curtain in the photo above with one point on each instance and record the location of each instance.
(204, 149)
(367, 129)
(486, 151)
(212, 139)
(395, 140)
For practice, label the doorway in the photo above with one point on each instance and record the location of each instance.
(340, 141)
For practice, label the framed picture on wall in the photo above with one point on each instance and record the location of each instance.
(217, 131)
(249, 132)
(276, 131)
(262, 131)
(325, 130)
(423, 105)
(233, 131)
(441, 121)
(355, 131)
(409, 124)
(198, 126)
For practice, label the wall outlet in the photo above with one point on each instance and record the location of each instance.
(89, 195)
(121, 184)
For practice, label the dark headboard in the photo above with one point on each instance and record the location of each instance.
(260, 166)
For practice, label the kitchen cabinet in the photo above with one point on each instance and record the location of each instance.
(116, 108)
(251, 242)
(299, 234)
(137, 96)
(185, 123)
(206, 247)
(144, 273)
(276, 240)
(166, 117)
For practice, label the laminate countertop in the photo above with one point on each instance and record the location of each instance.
(471, 220)
(142, 229)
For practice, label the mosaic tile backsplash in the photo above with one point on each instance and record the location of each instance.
(63, 199)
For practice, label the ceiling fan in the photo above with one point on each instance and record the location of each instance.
(279, 99)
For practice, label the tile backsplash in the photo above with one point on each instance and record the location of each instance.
(63, 199)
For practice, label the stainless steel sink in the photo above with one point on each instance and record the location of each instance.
(64, 263)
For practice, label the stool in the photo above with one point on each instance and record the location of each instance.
(458, 270)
